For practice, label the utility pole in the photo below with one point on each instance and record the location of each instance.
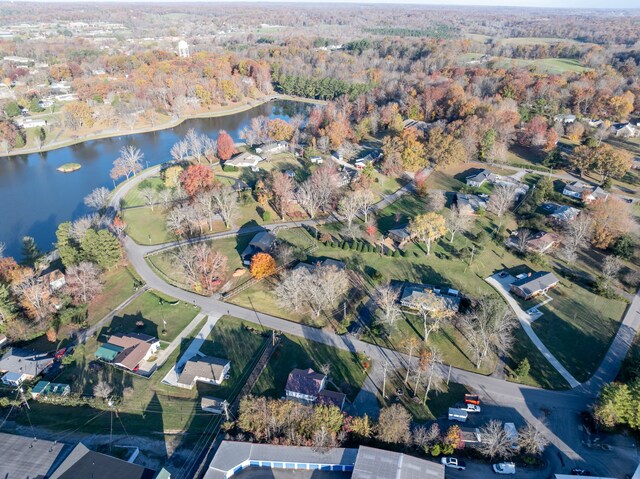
(225, 407)
(384, 380)
(449, 375)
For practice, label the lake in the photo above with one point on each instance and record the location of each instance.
(36, 198)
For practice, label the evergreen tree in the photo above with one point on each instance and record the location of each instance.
(7, 307)
(101, 247)
(522, 371)
(30, 251)
(68, 249)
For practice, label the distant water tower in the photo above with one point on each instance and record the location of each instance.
(183, 49)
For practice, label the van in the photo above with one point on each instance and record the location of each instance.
(459, 415)
(504, 468)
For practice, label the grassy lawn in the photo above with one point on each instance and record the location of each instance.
(546, 65)
(578, 327)
(231, 339)
(133, 198)
(346, 373)
(152, 308)
(118, 286)
(145, 226)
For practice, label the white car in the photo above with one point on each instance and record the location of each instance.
(454, 463)
(472, 408)
(504, 468)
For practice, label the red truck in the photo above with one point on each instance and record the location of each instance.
(472, 399)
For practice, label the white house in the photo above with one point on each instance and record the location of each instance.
(478, 179)
(582, 191)
(244, 160)
(204, 369)
(625, 130)
(564, 118)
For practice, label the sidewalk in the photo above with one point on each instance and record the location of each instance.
(172, 376)
(525, 321)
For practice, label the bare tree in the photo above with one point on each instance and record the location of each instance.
(489, 328)
(457, 222)
(84, 281)
(282, 190)
(610, 268)
(34, 295)
(194, 141)
(309, 198)
(98, 199)
(180, 151)
(435, 201)
(523, 235)
(225, 202)
(165, 198)
(496, 442)
(202, 266)
(149, 196)
(577, 235)
(532, 440)
(433, 310)
(349, 207)
(366, 200)
(386, 298)
(324, 440)
(433, 379)
(128, 163)
(501, 201)
(102, 390)
(394, 425)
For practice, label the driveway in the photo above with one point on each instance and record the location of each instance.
(501, 285)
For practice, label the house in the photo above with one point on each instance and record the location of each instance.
(534, 241)
(561, 214)
(308, 386)
(240, 185)
(564, 118)
(534, 284)
(204, 369)
(213, 405)
(232, 458)
(625, 130)
(244, 160)
(594, 122)
(19, 365)
(499, 180)
(83, 463)
(470, 204)
(272, 148)
(55, 279)
(45, 388)
(582, 191)
(317, 160)
(346, 177)
(478, 179)
(30, 123)
(399, 236)
(24, 457)
(360, 163)
(128, 350)
(262, 242)
(413, 293)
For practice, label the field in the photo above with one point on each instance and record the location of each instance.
(346, 373)
(151, 308)
(119, 284)
(547, 65)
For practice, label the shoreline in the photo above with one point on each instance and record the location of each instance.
(167, 125)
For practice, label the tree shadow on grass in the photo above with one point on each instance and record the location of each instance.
(129, 323)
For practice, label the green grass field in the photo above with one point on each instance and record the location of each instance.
(152, 308)
(118, 286)
(146, 226)
(346, 373)
(546, 65)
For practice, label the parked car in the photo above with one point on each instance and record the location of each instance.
(471, 408)
(504, 468)
(60, 353)
(454, 463)
(576, 471)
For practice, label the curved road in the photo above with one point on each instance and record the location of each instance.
(556, 412)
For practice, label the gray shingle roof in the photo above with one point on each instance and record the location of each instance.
(24, 361)
(27, 458)
(536, 282)
(203, 367)
(380, 464)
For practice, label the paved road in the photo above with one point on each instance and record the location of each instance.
(555, 412)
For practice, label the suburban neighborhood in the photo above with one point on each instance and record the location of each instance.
(305, 240)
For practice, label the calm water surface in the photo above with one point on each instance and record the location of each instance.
(35, 197)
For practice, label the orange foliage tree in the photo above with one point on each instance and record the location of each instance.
(262, 265)
(196, 179)
(226, 146)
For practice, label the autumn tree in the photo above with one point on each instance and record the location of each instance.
(196, 179)
(611, 219)
(428, 227)
(225, 202)
(34, 295)
(279, 130)
(392, 148)
(171, 176)
(443, 149)
(496, 442)
(433, 310)
(262, 265)
(394, 425)
(611, 162)
(582, 158)
(77, 115)
(413, 151)
(203, 267)
(226, 146)
(84, 281)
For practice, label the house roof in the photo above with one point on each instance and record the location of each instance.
(261, 242)
(28, 458)
(536, 282)
(40, 387)
(206, 367)
(577, 186)
(108, 352)
(244, 159)
(24, 361)
(135, 348)
(537, 240)
(52, 276)
(331, 398)
(381, 464)
(470, 201)
(231, 454)
(207, 401)
(304, 381)
(480, 177)
(415, 292)
(131, 339)
(82, 463)
(400, 233)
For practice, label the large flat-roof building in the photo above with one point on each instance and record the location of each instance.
(28, 458)
(234, 458)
